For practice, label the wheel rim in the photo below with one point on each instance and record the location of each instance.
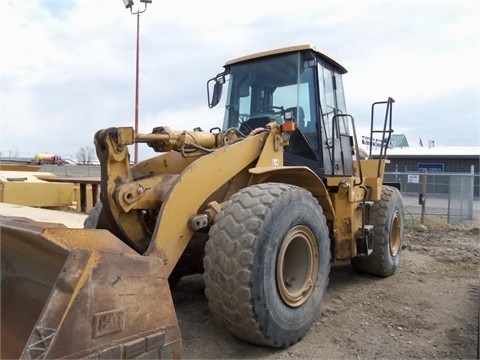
(297, 266)
(395, 234)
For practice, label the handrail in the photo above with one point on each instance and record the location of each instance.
(385, 141)
(336, 126)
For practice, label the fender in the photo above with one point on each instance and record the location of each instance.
(300, 176)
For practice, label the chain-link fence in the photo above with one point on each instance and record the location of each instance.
(452, 197)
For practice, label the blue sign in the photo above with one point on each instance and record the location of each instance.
(431, 168)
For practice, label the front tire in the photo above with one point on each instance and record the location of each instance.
(91, 222)
(387, 217)
(266, 263)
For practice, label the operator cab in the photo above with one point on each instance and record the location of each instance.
(299, 82)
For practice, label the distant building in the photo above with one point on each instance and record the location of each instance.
(436, 159)
(399, 141)
(442, 158)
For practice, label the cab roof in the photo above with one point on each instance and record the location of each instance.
(289, 49)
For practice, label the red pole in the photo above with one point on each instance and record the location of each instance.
(136, 88)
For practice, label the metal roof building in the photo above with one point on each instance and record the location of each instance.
(454, 159)
(436, 161)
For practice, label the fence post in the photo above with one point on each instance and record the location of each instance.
(424, 196)
(471, 192)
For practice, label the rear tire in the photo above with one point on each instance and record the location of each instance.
(267, 263)
(91, 222)
(387, 217)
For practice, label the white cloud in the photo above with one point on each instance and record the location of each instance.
(67, 67)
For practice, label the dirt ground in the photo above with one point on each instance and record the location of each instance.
(427, 310)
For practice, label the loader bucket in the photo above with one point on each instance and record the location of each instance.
(78, 293)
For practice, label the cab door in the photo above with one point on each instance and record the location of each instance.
(337, 144)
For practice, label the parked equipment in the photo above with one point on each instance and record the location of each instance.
(47, 158)
(261, 207)
(40, 189)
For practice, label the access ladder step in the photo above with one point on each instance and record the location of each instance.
(366, 204)
(365, 241)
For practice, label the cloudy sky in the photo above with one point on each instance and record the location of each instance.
(68, 66)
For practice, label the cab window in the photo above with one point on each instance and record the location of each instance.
(332, 99)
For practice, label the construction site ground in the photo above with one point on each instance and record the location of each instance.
(427, 310)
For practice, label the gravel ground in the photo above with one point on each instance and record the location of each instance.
(427, 310)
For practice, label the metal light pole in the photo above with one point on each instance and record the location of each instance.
(129, 5)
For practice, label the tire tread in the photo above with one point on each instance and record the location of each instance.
(229, 254)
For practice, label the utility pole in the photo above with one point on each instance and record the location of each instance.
(129, 5)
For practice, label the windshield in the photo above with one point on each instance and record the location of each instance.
(261, 91)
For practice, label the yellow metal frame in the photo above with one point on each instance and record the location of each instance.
(30, 188)
(39, 189)
(166, 185)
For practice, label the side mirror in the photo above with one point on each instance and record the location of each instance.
(217, 89)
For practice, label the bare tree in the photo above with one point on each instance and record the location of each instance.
(82, 156)
(85, 156)
(91, 156)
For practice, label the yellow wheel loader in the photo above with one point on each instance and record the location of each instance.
(261, 207)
